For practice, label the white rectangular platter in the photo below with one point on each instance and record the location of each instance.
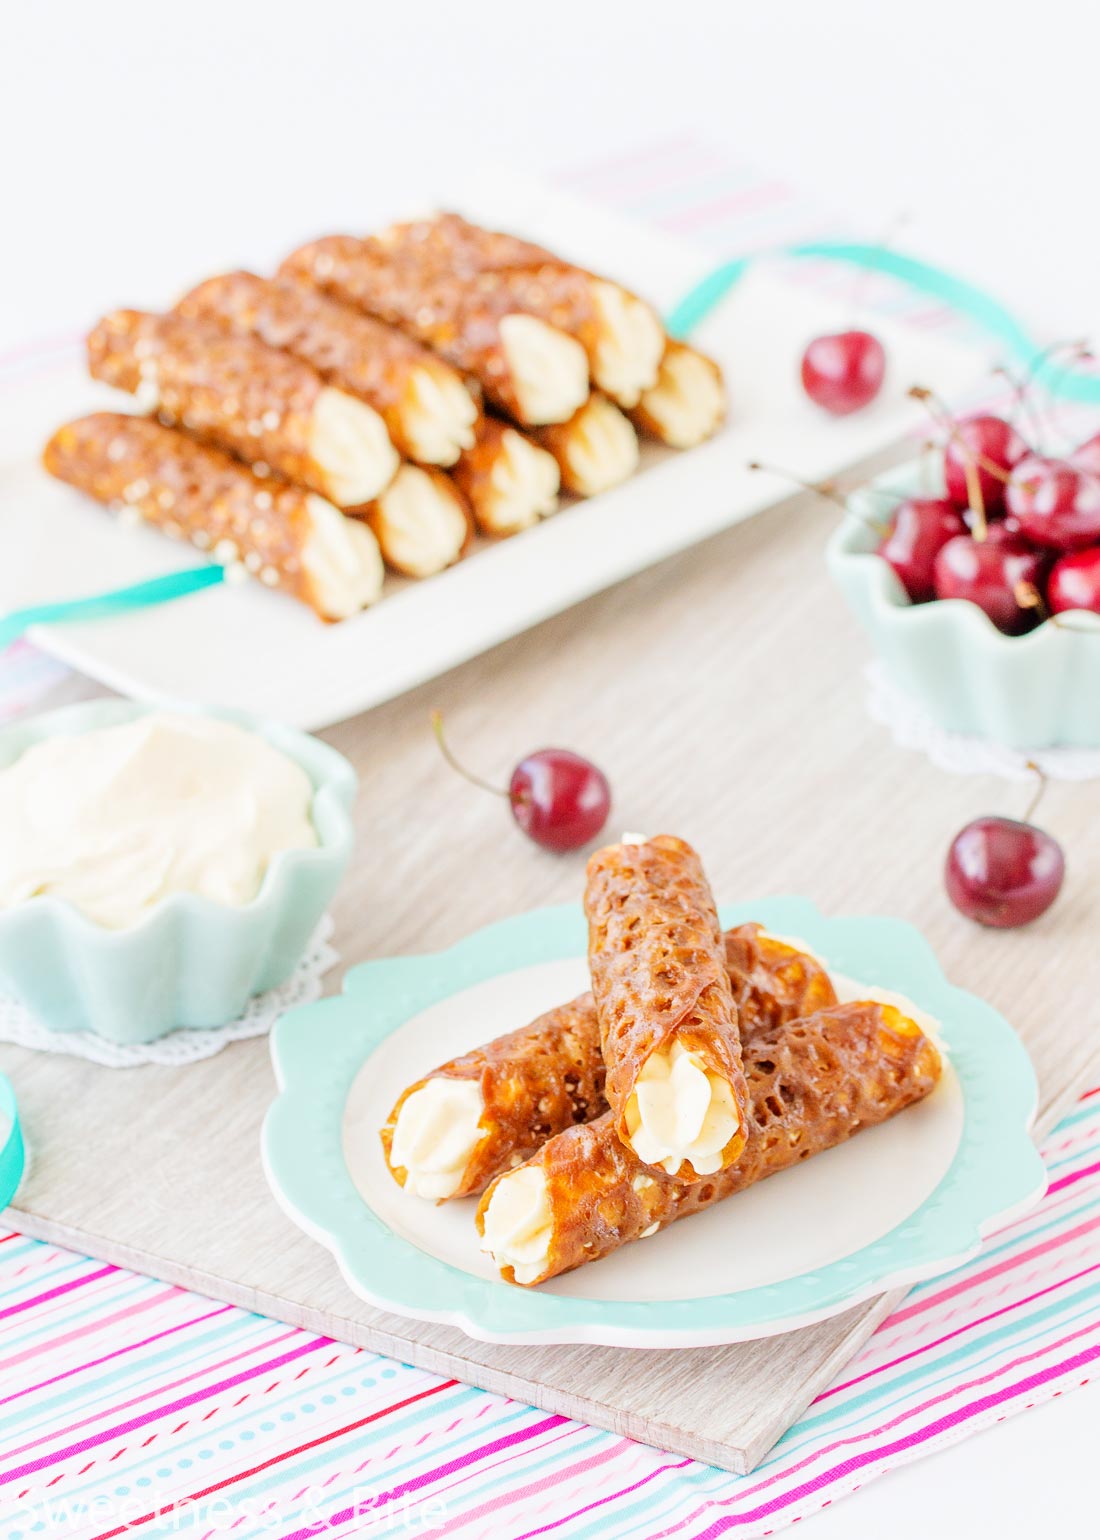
(248, 648)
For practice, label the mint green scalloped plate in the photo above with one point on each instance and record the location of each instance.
(918, 1198)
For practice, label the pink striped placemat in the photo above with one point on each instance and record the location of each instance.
(125, 1404)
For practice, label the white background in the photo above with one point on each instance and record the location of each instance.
(146, 144)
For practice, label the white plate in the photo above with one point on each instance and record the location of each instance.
(260, 652)
(904, 1201)
(885, 1175)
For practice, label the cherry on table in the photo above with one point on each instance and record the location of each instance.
(1055, 503)
(982, 450)
(1005, 872)
(559, 799)
(1074, 582)
(920, 527)
(843, 371)
(993, 574)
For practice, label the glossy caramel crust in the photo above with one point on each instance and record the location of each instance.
(231, 389)
(189, 491)
(553, 1069)
(361, 355)
(772, 982)
(473, 472)
(813, 1084)
(658, 966)
(534, 1082)
(447, 240)
(456, 315)
(538, 283)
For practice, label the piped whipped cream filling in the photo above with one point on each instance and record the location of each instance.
(630, 342)
(524, 482)
(436, 1133)
(342, 560)
(518, 1224)
(350, 443)
(679, 1110)
(688, 400)
(601, 448)
(548, 368)
(118, 819)
(420, 523)
(438, 416)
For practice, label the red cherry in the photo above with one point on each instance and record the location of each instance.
(1001, 527)
(844, 371)
(1055, 503)
(989, 573)
(1002, 872)
(1087, 456)
(980, 443)
(920, 526)
(559, 799)
(1074, 582)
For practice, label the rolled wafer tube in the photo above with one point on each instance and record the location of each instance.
(421, 521)
(813, 1084)
(595, 450)
(772, 981)
(509, 482)
(267, 407)
(282, 535)
(425, 404)
(688, 401)
(488, 1110)
(668, 1024)
(533, 371)
(621, 335)
(457, 1128)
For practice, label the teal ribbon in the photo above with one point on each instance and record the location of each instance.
(957, 293)
(117, 601)
(12, 1153)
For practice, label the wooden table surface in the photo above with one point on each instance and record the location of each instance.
(722, 694)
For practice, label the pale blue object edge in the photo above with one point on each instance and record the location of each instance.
(191, 962)
(964, 297)
(1037, 691)
(318, 1049)
(12, 1153)
(117, 601)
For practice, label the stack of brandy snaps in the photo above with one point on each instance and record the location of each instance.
(699, 1064)
(377, 403)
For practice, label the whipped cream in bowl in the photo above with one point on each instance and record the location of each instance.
(118, 819)
(159, 866)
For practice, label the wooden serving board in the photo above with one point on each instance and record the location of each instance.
(722, 694)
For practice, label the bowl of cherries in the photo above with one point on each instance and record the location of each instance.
(977, 576)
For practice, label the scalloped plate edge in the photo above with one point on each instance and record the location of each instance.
(577, 1320)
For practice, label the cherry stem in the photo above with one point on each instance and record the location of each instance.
(828, 490)
(468, 775)
(1028, 597)
(1037, 795)
(972, 461)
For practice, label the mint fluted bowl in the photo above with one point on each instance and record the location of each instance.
(191, 962)
(1035, 691)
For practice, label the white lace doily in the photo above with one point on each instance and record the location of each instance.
(186, 1044)
(913, 728)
